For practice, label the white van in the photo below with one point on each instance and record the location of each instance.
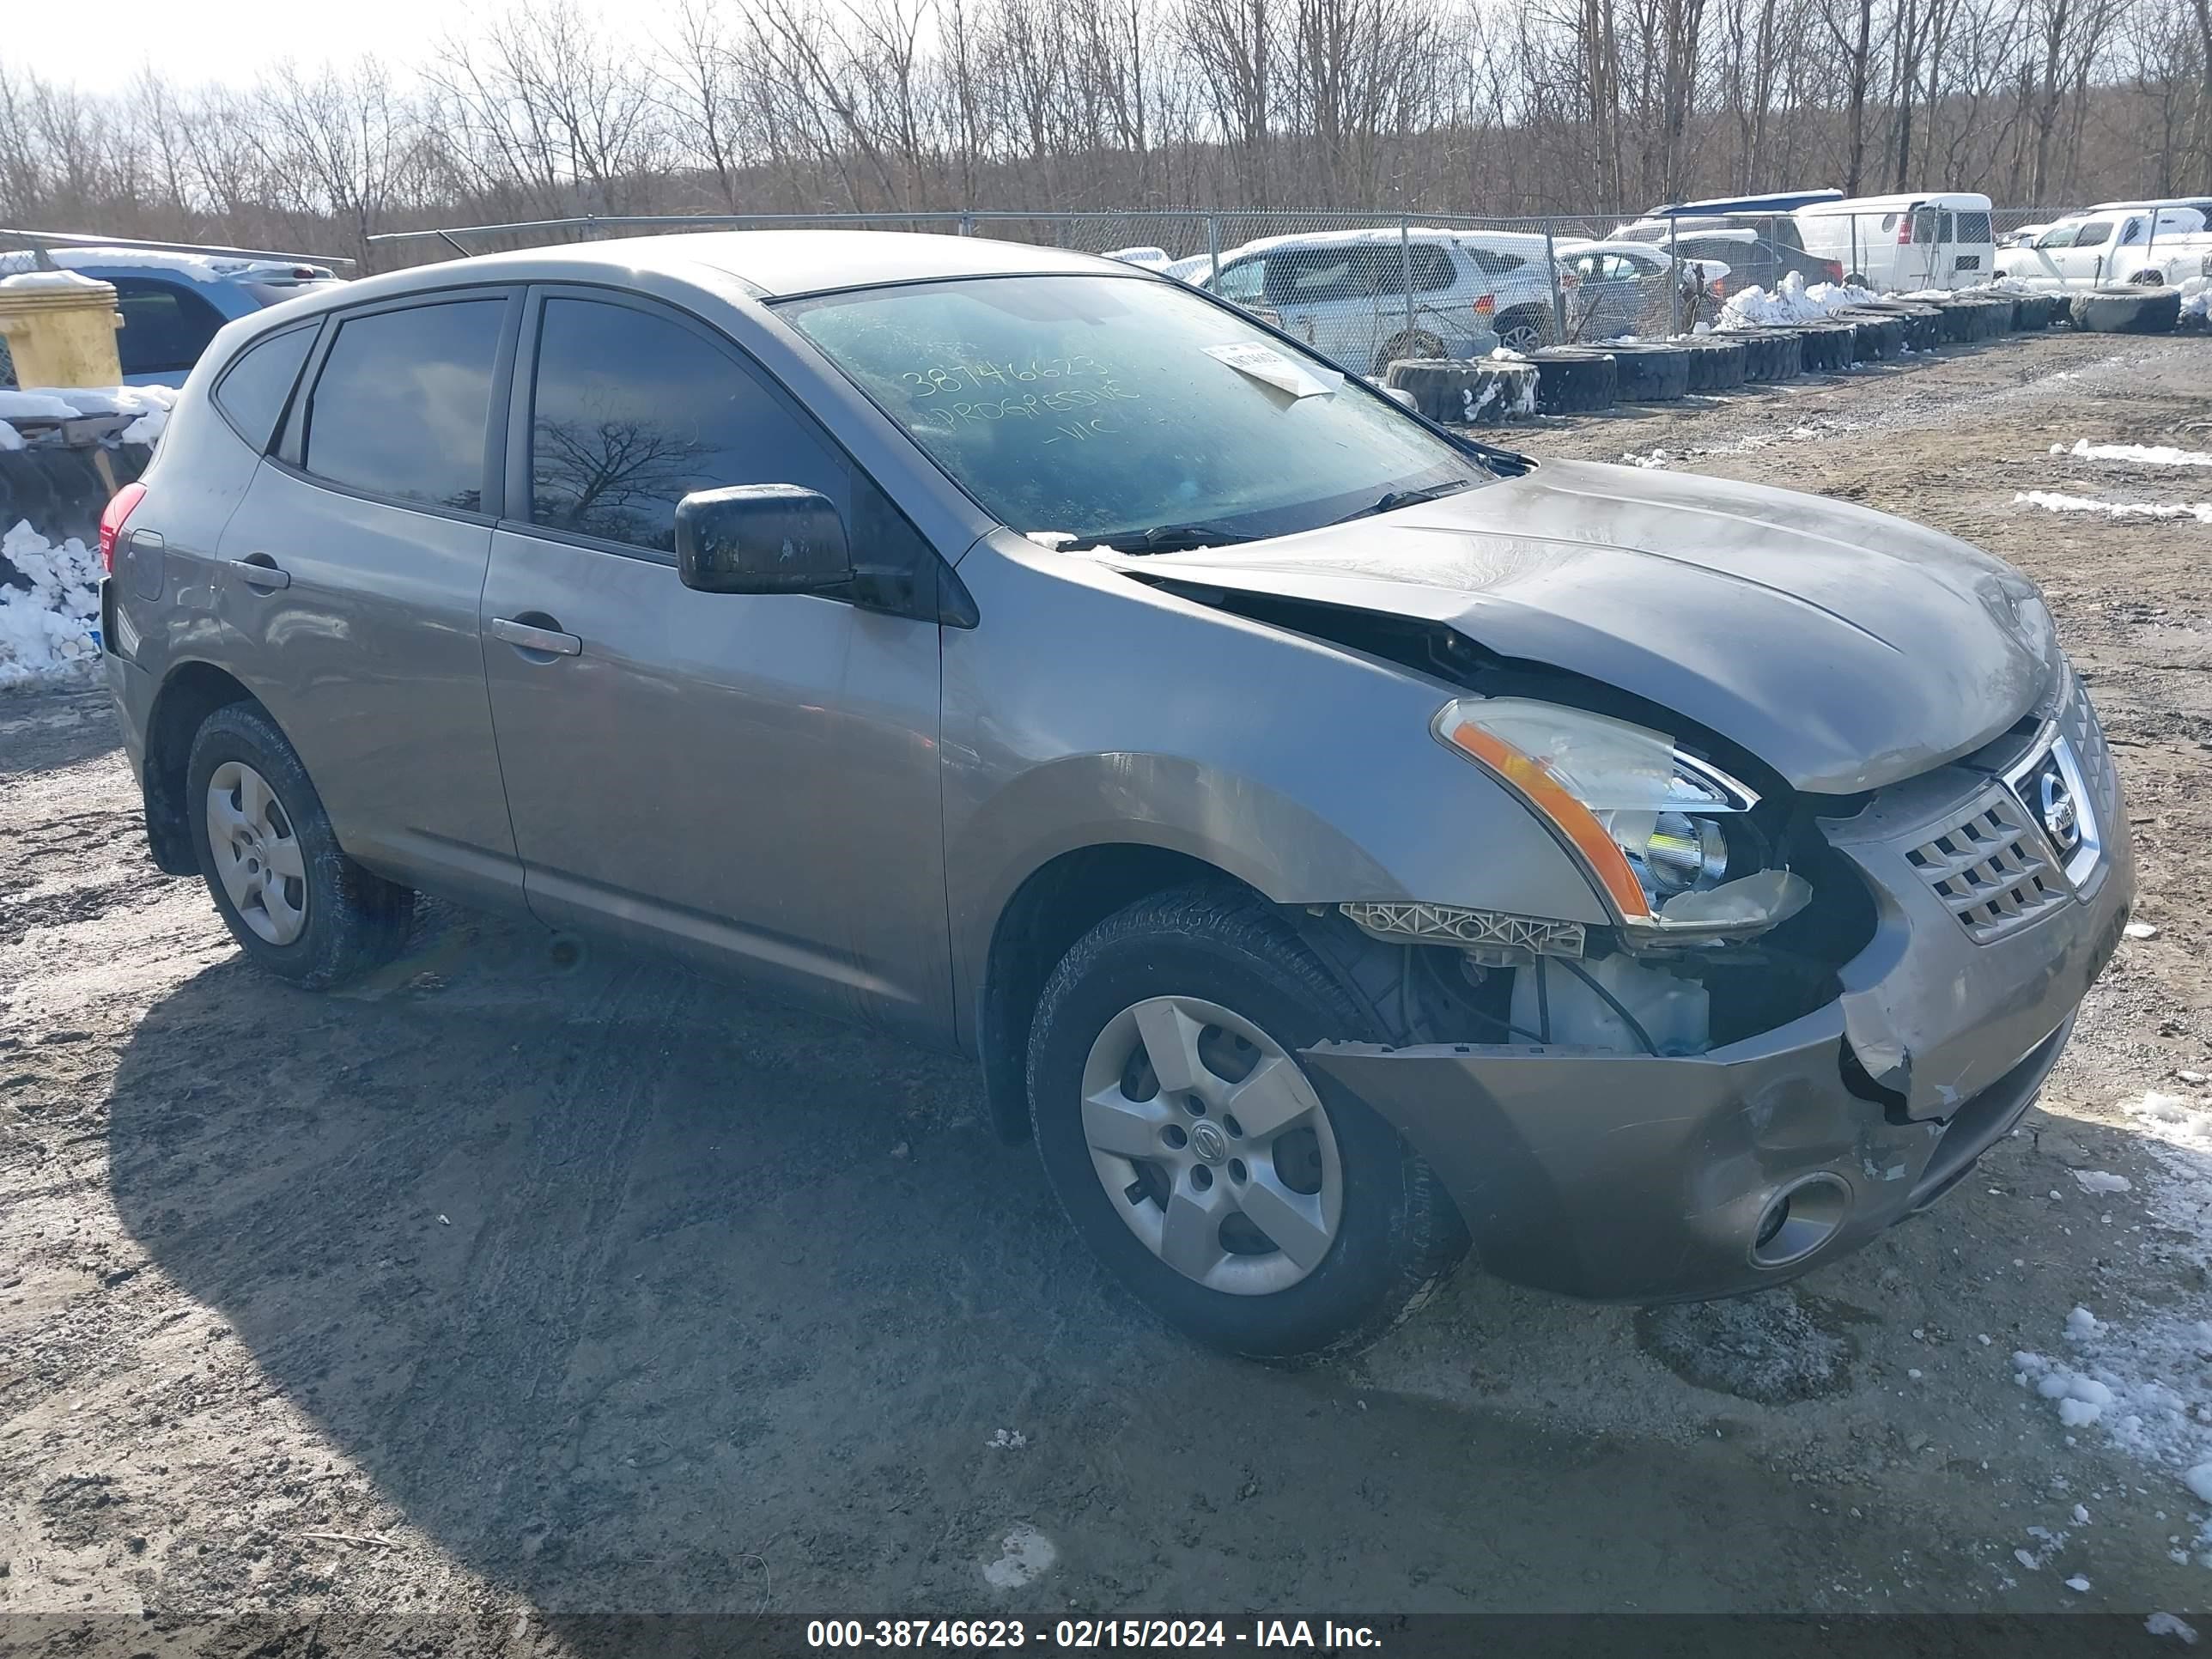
(1923, 239)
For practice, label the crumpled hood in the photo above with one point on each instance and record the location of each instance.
(1844, 647)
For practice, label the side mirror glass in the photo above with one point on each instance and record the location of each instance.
(761, 538)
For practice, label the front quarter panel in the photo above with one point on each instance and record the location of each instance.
(1090, 708)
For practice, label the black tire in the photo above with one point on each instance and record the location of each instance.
(1826, 347)
(1648, 371)
(1716, 364)
(1397, 1234)
(2124, 310)
(354, 922)
(1770, 355)
(1574, 380)
(2032, 312)
(1876, 336)
(1480, 391)
(1923, 327)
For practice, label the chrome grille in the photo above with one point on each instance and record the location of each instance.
(1992, 868)
(2077, 720)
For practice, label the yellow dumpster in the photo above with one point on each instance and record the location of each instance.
(60, 329)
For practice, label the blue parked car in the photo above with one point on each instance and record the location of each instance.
(173, 302)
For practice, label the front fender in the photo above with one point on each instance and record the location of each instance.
(1090, 708)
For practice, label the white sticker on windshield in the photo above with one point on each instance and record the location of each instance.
(1269, 366)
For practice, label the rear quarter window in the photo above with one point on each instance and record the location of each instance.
(401, 405)
(254, 390)
(164, 326)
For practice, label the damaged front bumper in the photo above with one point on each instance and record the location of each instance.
(1646, 1178)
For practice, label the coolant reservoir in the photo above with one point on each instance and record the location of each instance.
(1675, 1014)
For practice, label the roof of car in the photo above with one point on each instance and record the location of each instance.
(773, 264)
(1518, 241)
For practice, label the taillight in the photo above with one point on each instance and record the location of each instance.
(1834, 268)
(1486, 306)
(120, 509)
(1717, 287)
(1903, 230)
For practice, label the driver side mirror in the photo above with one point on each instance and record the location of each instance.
(761, 538)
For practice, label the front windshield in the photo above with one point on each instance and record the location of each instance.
(1108, 408)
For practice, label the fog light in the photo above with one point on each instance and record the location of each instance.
(1800, 1218)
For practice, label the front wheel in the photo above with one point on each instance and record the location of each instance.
(298, 906)
(1248, 1205)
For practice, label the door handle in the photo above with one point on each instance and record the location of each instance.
(525, 637)
(260, 571)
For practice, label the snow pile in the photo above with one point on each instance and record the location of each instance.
(149, 405)
(1506, 355)
(2196, 297)
(2139, 454)
(1791, 302)
(51, 279)
(2143, 1382)
(2200, 511)
(48, 630)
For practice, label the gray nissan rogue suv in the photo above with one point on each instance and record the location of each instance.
(1335, 838)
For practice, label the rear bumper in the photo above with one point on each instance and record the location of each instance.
(1627, 1177)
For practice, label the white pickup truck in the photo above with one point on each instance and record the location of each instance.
(2108, 248)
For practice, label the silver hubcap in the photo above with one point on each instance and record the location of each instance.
(1211, 1146)
(256, 852)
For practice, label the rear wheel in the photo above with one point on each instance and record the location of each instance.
(1414, 344)
(297, 905)
(1246, 1204)
(1522, 330)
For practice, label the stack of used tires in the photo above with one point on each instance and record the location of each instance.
(1967, 319)
(1770, 354)
(1877, 337)
(1649, 371)
(2129, 310)
(2033, 311)
(1574, 380)
(62, 489)
(1717, 363)
(1829, 348)
(1467, 391)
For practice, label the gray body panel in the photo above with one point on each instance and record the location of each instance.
(372, 643)
(747, 780)
(1844, 647)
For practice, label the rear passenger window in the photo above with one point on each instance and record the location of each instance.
(165, 327)
(252, 390)
(1974, 227)
(401, 405)
(631, 412)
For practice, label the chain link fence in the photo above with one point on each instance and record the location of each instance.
(1366, 287)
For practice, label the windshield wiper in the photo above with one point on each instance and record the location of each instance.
(1391, 499)
(1175, 538)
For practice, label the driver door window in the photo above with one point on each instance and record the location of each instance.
(1241, 283)
(632, 411)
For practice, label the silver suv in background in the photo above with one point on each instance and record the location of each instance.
(1346, 292)
(1335, 839)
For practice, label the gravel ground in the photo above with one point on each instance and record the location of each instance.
(507, 1286)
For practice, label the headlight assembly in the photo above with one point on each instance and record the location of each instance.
(1664, 834)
